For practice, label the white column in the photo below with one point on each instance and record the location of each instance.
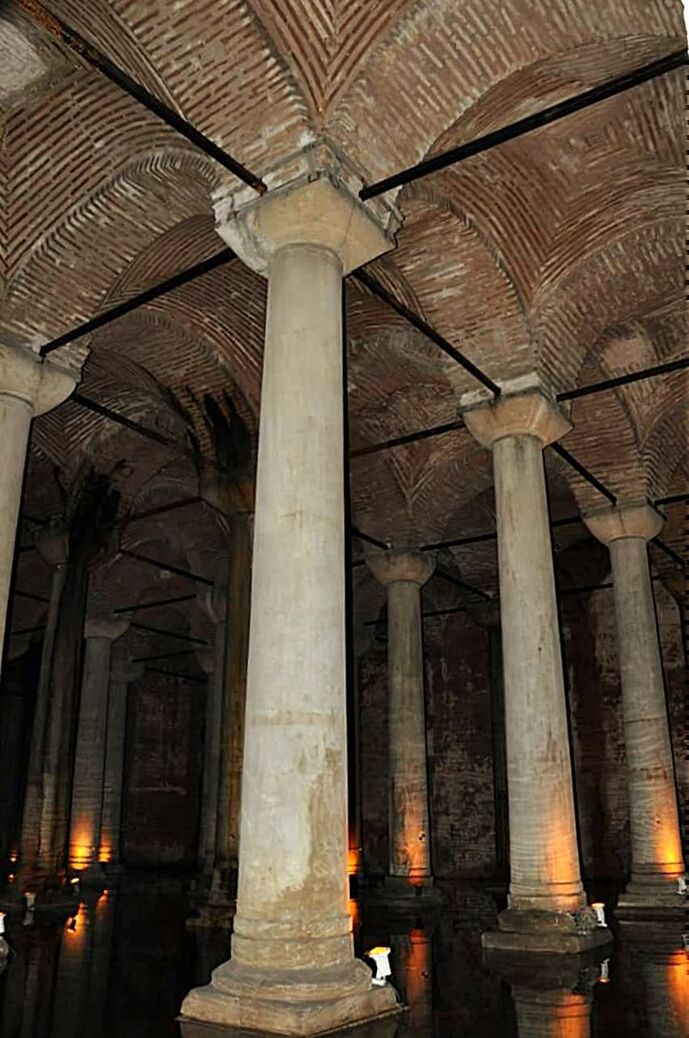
(547, 906)
(657, 859)
(293, 969)
(28, 387)
(89, 763)
(404, 573)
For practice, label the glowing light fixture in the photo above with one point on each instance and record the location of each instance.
(682, 881)
(30, 900)
(381, 957)
(599, 908)
(604, 977)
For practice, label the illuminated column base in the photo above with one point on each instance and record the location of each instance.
(293, 969)
(547, 908)
(658, 867)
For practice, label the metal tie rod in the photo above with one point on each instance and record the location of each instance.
(94, 57)
(531, 122)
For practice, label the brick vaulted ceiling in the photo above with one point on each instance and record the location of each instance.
(561, 252)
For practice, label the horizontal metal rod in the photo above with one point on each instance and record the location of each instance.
(120, 419)
(115, 312)
(116, 75)
(625, 380)
(368, 539)
(583, 472)
(28, 630)
(450, 578)
(154, 604)
(673, 499)
(670, 552)
(166, 566)
(175, 674)
(492, 536)
(31, 597)
(164, 656)
(545, 117)
(399, 441)
(162, 509)
(169, 634)
(25, 548)
(374, 286)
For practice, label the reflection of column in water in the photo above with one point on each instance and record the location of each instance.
(656, 969)
(552, 1014)
(412, 955)
(82, 977)
(28, 986)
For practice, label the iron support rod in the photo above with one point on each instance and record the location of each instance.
(374, 286)
(672, 500)
(162, 509)
(583, 472)
(531, 122)
(368, 539)
(164, 656)
(451, 579)
(116, 75)
(28, 630)
(166, 566)
(115, 312)
(625, 380)
(399, 441)
(155, 604)
(670, 552)
(32, 598)
(168, 634)
(175, 674)
(128, 423)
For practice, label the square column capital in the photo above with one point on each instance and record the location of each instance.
(42, 384)
(523, 409)
(637, 519)
(401, 566)
(312, 200)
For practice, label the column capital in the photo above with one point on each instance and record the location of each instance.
(110, 627)
(524, 408)
(313, 200)
(633, 520)
(401, 565)
(52, 543)
(42, 384)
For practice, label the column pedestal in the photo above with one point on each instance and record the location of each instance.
(293, 969)
(657, 859)
(547, 910)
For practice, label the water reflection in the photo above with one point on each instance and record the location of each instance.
(123, 964)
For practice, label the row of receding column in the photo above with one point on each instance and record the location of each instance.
(292, 967)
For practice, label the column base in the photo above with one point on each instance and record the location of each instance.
(651, 901)
(272, 1002)
(562, 933)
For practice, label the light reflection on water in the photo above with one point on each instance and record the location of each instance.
(122, 966)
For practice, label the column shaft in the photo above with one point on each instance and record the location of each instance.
(87, 786)
(15, 423)
(544, 856)
(114, 768)
(653, 814)
(408, 814)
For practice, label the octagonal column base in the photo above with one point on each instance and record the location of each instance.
(564, 933)
(275, 1002)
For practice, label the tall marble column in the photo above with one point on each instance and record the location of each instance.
(89, 763)
(547, 906)
(28, 387)
(123, 671)
(657, 857)
(293, 968)
(212, 661)
(403, 573)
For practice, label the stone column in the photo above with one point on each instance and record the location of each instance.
(657, 858)
(293, 968)
(212, 662)
(547, 906)
(123, 671)
(89, 762)
(403, 573)
(28, 387)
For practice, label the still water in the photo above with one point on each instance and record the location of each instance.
(121, 967)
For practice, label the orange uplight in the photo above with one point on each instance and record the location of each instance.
(353, 861)
(75, 928)
(678, 983)
(354, 911)
(105, 853)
